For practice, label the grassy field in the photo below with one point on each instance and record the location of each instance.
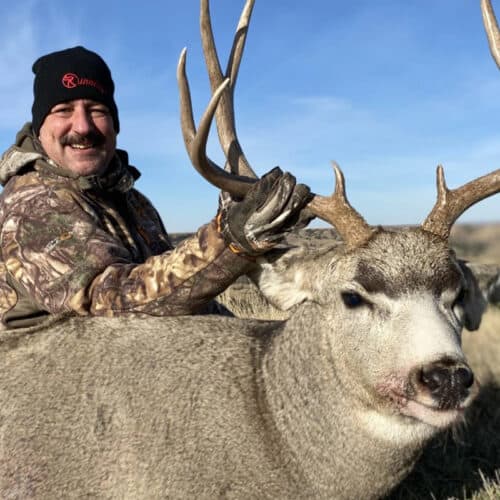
(463, 463)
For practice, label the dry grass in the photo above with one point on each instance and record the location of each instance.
(478, 242)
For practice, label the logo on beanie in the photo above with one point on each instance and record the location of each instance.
(71, 81)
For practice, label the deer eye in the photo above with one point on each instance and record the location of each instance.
(352, 299)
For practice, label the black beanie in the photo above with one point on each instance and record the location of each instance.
(75, 73)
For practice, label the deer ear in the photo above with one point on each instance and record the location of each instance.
(278, 277)
(482, 287)
(287, 277)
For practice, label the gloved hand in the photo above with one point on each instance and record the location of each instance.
(273, 206)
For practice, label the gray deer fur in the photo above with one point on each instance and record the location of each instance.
(217, 407)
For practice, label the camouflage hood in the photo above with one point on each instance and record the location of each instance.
(27, 154)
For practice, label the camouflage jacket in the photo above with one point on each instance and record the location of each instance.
(96, 246)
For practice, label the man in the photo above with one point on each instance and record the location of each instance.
(77, 238)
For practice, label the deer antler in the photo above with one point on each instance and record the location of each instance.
(492, 30)
(335, 209)
(451, 204)
(224, 115)
(196, 140)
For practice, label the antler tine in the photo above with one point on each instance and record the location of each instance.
(186, 108)
(337, 210)
(226, 128)
(196, 140)
(451, 204)
(240, 38)
(492, 30)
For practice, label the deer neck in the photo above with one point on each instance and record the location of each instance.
(317, 418)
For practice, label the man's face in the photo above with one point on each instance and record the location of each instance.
(79, 136)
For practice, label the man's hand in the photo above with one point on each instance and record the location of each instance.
(273, 206)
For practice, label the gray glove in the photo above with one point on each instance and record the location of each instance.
(272, 207)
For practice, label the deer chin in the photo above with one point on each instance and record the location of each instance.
(428, 414)
(419, 407)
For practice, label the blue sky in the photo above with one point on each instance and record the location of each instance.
(388, 89)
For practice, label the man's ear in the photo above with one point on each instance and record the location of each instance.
(482, 288)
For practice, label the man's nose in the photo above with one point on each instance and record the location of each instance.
(82, 121)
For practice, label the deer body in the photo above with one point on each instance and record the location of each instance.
(318, 406)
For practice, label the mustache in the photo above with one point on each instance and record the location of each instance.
(93, 138)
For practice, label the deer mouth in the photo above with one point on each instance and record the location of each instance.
(435, 393)
(428, 412)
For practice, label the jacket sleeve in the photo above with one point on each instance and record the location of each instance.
(60, 254)
(181, 281)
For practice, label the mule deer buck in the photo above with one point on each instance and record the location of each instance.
(335, 402)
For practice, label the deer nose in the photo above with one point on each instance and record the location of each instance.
(447, 382)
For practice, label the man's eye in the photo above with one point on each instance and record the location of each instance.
(62, 111)
(98, 112)
(352, 299)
